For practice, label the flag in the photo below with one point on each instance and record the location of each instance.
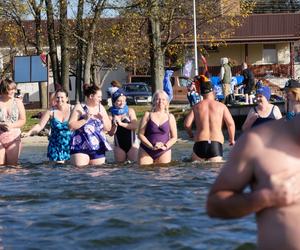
(43, 57)
(187, 69)
(203, 59)
(167, 84)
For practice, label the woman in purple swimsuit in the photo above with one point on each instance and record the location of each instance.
(157, 132)
(89, 121)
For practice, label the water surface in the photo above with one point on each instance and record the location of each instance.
(46, 206)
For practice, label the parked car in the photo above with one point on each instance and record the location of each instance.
(138, 92)
(179, 86)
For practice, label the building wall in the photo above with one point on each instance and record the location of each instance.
(33, 89)
(236, 53)
(255, 54)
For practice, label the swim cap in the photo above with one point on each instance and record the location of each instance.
(117, 94)
(265, 91)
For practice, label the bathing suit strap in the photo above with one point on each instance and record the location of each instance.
(52, 112)
(273, 109)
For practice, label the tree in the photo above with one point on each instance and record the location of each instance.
(80, 45)
(64, 43)
(52, 43)
(90, 43)
(169, 26)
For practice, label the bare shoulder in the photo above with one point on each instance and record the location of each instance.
(251, 139)
(19, 101)
(222, 105)
(271, 131)
(78, 106)
(172, 117)
(147, 114)
(131, 111)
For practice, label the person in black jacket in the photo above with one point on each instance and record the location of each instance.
(248, 81)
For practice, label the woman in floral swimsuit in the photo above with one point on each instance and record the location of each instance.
(89, 121)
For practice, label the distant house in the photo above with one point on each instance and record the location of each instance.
(269, 43)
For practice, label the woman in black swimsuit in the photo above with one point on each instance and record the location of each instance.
(264, 111)
(124, 124)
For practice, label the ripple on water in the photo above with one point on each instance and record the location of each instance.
(62, 207)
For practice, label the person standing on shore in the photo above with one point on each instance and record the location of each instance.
(12, 119)
(225, 77)
(115, 85)
(248, 81)
(60, 135)
(262, 176)
(209, 116)
(157, 132)
(89, 121)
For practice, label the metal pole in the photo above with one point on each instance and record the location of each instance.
(195, 40)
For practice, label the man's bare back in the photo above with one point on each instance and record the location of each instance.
(267, 159)
(209, 116)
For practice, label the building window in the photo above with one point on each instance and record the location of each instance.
(297, 53)
(269, 54)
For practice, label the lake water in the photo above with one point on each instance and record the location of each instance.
(44, 206)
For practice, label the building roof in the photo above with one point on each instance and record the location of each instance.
(257, 28)
(268, 28)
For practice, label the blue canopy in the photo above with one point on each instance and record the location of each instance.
(216, 81)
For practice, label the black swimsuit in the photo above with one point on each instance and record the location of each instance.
(208, 149)
(261, 120)
(124, 138)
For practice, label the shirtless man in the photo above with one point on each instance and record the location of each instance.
(209, 116)
(267, 159)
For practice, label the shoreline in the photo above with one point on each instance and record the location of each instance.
(38, 140)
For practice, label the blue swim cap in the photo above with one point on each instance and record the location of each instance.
(117, 94)
(265, 91)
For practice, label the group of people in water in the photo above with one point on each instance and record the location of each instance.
(79, 133)
(266, 156)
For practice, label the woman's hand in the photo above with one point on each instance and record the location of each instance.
(4, 127)
(253, 117)
(117, 120)
(160, 145)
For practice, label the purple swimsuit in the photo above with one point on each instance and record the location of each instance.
(154, 134)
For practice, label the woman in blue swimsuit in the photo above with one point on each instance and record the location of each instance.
(124, 124)
(89, 121)
(60, 135)
(157, 132)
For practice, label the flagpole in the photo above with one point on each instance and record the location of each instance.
(195, 40)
